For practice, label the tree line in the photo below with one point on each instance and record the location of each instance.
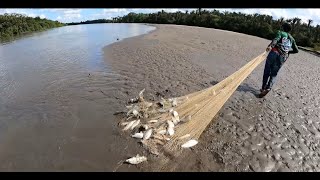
(253, 24)
(91, 22)
(12, 25)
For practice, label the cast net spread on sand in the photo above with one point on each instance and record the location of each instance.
(168, 126)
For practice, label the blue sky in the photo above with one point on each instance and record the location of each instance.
(75, 15)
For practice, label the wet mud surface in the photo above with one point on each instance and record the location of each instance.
(280, 132)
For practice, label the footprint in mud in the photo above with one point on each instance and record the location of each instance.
(261, 163)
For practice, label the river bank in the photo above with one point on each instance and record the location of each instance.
(277, 133)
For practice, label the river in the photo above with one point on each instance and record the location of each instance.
(55, 109)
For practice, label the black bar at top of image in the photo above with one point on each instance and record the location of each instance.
(157, 4)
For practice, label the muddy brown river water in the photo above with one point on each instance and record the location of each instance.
(55, 109)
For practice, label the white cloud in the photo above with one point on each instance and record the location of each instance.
(110, 13)
(114, 10)
(19, 11)
(303, 14)
(61, 10)
(42, 16)
(27, 12)
(71, 14)
(67, 15)
(31, 15)
(72, 11)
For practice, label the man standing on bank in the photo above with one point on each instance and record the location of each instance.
(280, 48)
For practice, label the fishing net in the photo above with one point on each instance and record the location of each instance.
(170, 125)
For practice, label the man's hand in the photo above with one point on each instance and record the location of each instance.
(268, 48)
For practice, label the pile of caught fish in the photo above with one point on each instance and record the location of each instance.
(154, 123)
(159, 126)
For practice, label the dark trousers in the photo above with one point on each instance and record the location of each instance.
(273, 64)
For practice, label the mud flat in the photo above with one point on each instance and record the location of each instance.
(277, 133)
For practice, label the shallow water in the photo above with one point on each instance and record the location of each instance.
(55, 105)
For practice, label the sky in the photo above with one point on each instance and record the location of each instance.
(76, 15)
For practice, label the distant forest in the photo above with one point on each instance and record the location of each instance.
(253, 24)
(92, 22)
(12, 25)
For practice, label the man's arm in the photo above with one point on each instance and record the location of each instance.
(294, 47)
(274, 41)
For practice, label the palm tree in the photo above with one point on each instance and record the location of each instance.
(309, 22)
(298, 21)
(295, 22)
(309, 25)
(199, 11)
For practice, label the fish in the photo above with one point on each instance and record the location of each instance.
(170, 124)
(162, 131)
(137, 159)
(175, 114)
(124, 123)
(129, 107)
(148, 104)
(134, 100)
(175, 120)
(141, 95)
(128, 126)
(162, 110)
(148, 134)
(189, 143)
(170, 131)
(135, 124)
(174, 102)
(145, 127)
(141, 92)
(162, 102)
(138, 135)
(153, 121)
(135, 112)
(129, 112)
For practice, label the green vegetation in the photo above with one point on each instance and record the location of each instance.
(317, 47)
(254, 24)
(12, 25)
(91, 22)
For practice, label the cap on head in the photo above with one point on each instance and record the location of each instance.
(286, 27)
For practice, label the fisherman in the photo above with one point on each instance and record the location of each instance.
(280, 48)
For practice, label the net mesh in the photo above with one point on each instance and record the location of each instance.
(194, 112)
